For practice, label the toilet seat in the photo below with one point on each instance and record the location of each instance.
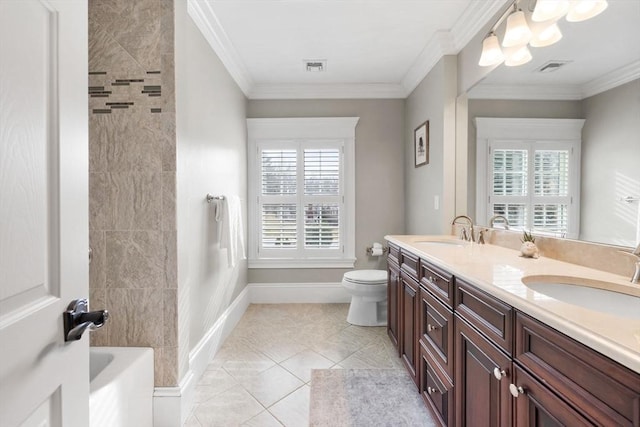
(366, 277)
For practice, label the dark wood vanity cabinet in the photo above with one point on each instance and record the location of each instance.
(479, 362)
(393, 301)
(409, 297)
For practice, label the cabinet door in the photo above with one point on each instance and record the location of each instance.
(409, 296)
(393, 300)
(482, 400)
(536, 405)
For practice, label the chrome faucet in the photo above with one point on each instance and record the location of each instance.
(463, 234)
(503, 218)
(636, 275)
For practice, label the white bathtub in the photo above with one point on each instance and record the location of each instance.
(121, 391)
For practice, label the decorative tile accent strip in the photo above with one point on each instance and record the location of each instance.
(152, 89)
(126, 99)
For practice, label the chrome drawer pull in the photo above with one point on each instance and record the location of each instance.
(516, 390)
(431, 328)
(499, 373)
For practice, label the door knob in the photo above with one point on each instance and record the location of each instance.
(77, 319)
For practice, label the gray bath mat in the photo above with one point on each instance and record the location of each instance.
(366, 397)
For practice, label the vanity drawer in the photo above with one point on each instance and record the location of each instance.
(394, 253)
(436, 330)
(438, 281)
(486, 313)
(409, 264)
(608, 392)
(436, 390)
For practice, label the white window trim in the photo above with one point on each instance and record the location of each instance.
(490, 131)
(329, 128)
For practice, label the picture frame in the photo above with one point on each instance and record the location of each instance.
(421, 144)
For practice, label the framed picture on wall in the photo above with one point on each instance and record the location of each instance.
(421, 144)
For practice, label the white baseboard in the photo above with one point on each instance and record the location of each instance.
(287, 293)
(172, 405)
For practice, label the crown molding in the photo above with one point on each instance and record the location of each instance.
(445, 42)
(473, 19)
(618, 77)
(440, 44)
(527, 92)
(327, 91)
(560, 92)
(207, 22)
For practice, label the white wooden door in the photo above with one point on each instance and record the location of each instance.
(43, 211)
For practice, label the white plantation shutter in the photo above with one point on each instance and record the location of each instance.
(551, 191)
(531, 185)
(300, 198)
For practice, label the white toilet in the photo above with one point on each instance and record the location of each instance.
(369, 297)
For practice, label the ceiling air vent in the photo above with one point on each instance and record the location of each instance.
(315, 65)
(551, 66)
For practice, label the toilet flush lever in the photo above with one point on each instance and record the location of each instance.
(77, 319)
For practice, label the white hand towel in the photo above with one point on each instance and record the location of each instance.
(232, 233)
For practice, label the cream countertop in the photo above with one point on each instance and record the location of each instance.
(499, 271)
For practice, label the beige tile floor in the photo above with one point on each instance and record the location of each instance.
(260, 376)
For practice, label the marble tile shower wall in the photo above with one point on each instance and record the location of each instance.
(132, 187)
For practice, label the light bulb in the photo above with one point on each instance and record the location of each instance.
(545, 36)
(546, 10)
(517, 32)
(581, 10)
(491, 52)
(517, 56)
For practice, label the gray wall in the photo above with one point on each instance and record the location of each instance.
(611, 165)
(509, 108)
(212, 158)
(431, 100)
(379, 176)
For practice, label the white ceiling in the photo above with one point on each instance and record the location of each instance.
(384, 48)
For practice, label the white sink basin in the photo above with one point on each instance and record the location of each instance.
(591, 294)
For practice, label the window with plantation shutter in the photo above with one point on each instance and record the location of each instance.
(530, 185)
(301, 193)
(528, 170)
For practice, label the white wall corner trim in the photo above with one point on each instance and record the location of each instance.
(208, 24)
(617, 78)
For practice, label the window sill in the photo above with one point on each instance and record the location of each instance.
(302, 263)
